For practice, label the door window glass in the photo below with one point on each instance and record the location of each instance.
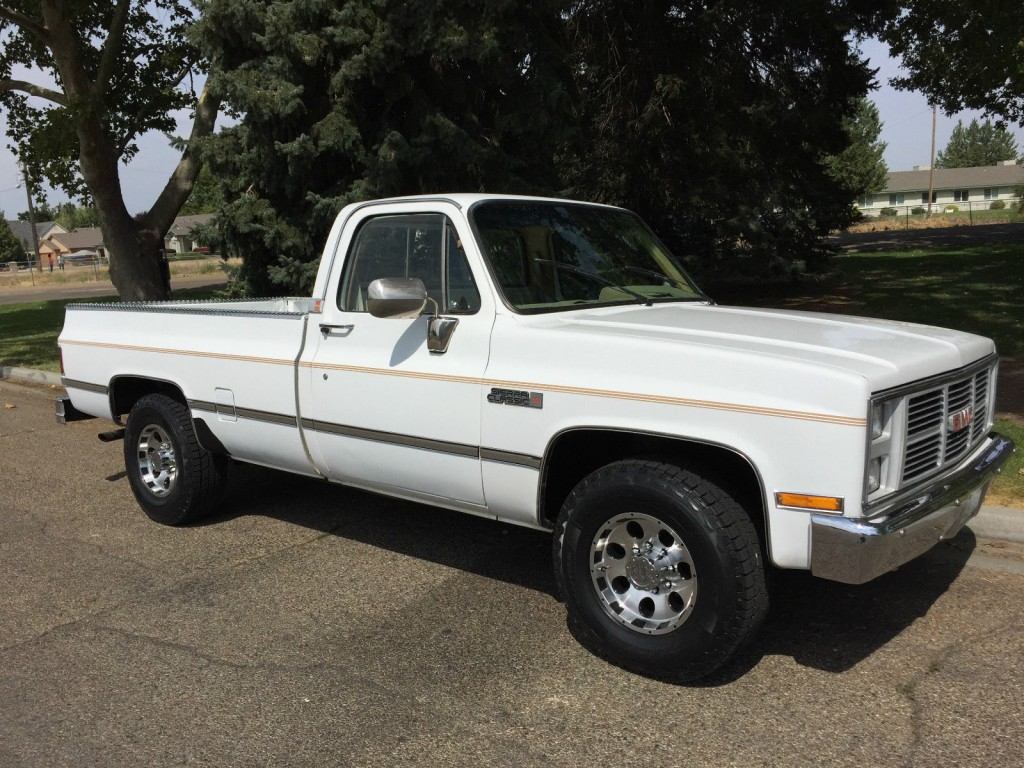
(423, 245)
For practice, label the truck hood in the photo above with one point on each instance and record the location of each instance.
(884, 352)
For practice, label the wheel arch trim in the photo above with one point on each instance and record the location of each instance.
(553, 441)
(202, 430)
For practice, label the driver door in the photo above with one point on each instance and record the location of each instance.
(385, 412)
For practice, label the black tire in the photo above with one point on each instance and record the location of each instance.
(730, 600)
(200, 476)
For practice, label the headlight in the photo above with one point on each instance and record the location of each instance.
(880, 419)
(874, 474)
(878, 414)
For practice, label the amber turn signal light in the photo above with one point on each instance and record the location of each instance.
(806, 501)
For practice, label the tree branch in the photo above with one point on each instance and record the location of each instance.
(27, 23)
(175, 193)
(34, 90)
(112, 46)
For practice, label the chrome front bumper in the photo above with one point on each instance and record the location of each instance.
(854, 551)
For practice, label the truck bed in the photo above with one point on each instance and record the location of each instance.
(217, 352)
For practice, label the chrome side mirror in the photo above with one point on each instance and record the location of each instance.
(405, 297)
(396, 297)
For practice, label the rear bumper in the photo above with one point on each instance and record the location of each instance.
(855, 551)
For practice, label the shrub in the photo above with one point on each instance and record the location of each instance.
(917, 210)
(996, 205)
(888, 212)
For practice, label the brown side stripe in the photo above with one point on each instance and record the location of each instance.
(83, 385)
(849, 421)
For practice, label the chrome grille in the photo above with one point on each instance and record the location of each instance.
(930, 442)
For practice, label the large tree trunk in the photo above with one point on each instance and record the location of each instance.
(137, 265)
(135, 246)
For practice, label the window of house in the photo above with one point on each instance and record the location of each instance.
(924, 197)
(988, 193)
(896, 199)
(961, 195)
(864, 201)
(423, 245)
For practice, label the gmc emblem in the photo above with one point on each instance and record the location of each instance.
(961, 419)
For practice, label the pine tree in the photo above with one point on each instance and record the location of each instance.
(860, 167)
(361, 99)
(206, 196)
(978, 144)
(11, 248)
(715, 122)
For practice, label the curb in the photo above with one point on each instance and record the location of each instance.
(992, 522)
(28, 375)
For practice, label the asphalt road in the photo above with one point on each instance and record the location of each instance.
(316, 625)
(96, 290)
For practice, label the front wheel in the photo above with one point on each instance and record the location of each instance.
(174, 479)
(660, 570)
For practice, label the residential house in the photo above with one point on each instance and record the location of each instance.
(181, 238)
(976, 187)
(65, 243)
(23, 231)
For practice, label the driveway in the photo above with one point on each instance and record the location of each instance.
(311, 624)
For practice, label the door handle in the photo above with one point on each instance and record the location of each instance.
(326, 328)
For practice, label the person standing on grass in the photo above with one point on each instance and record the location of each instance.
(51, 262)
(60, 262)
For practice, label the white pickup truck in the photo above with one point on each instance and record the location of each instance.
(549, 363)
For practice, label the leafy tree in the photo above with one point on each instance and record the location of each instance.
(71, 216)
(108, 71)
(370, 98)
(963, 54)
(977, 144)
(860, 167)
(44, 212)
(715, 121)
(11, 248)
(206, 196)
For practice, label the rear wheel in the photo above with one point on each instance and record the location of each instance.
(174, 479)
(660, 569)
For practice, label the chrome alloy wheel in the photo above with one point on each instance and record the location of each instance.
(643, 574)
(158, 463)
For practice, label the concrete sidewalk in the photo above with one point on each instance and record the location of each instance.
(992, 522)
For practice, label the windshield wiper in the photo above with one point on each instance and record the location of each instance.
(655, 273)
(645, 300)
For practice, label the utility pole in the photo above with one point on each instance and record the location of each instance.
(931, 165)
(31, 220)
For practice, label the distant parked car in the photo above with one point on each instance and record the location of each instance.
(82, 258)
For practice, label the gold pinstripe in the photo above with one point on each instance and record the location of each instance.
(848, 421)
(186, 352)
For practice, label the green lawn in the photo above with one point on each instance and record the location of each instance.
(1008, 487)
(28, 332)
(979, 289)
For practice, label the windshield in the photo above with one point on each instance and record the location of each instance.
(556, 256)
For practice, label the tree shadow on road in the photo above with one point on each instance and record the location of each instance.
(819, 624)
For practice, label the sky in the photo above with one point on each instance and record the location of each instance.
(906, 129)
